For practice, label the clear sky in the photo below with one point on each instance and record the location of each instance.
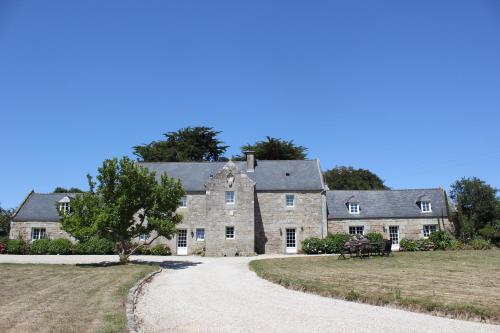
(407, 89)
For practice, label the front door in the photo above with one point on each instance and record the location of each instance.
(291, 240)
(394, 236)
(182, 242)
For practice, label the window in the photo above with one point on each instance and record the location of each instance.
(425, 206)
(200, 234)
(356, 230)
(429, 229)
(183, 202)
(143, 237)
(353, 208)
(64, 207)
(229, 232)
(229, 197)
(38, 233)
(290, 200)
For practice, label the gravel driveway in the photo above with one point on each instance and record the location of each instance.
(223, 295)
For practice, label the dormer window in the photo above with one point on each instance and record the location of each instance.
(425, 206)
(353, 208)
(64, 206)
(183, 202)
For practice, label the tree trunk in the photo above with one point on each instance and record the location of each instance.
(123, 254)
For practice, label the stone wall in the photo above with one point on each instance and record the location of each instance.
(411, 228)
(272, 217)
(23, 230)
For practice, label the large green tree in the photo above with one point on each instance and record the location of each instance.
(477, 208)
(187, 144)
(60, 189)
(5, 217)
(348, 178)
(275, 149)
(127, 202)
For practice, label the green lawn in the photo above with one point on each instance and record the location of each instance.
(458, 284)
(66, 298)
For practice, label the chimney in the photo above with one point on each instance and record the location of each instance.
(250, 156)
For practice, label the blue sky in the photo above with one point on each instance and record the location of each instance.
(407, 89)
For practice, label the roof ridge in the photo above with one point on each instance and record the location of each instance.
(391, 190)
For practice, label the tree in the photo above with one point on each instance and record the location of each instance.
(128, 202)
(348, 178)
(476, 207)
(5, 217)
(65, 190)
(275, 149)
(187, 144)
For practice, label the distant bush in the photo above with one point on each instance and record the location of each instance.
(39, 246)
(60, 246)
(480, 244)
(375, 237)
(409, 245)
(94, 245)
(313, 245)
(334, 243)
(441, 239)
(17, 246)
(160, 250)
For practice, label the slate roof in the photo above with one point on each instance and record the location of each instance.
(385, 203)
(40, 207)
(268, 175)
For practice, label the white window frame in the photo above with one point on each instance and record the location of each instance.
(230, 199)
(427, 205)
(64, 207)
(288, 196)
(354, 205)
(427, 229)
(198, 238)
(143, 237)
(183, 202)
(41, 233)
(233, 232)
(356, 228)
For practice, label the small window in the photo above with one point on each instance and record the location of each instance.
(290, 200)
(356, 230)
(64, 207)
(353, 208)
(229, 232)
(200, 234)
(425, 206)
(143, 238)
(183, 202)
(38, 233)
(229, 197)
(429, 229)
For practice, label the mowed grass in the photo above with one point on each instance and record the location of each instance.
(66, 298)
(457, 284)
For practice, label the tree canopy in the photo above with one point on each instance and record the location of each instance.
(5, 217)
(275, 149)
(128, 202)
(67, 190)
(348, 178)
(477, 209)
(187, 144)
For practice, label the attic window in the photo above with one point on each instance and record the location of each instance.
(353, 208)
(287, 174)
(425, 206)
(63, 205)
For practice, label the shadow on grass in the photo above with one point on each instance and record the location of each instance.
(168, 264)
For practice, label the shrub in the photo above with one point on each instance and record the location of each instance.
(60, 246)
(17, 246)
(313, 245)
(375, 237)
(94, 245)
(333, 243)
(39, 246)
(160, 250)
(441, 239)
(3, 248)
(480, 244)
(426, 244)
(456, 244)
(409, 245)
(3, 244)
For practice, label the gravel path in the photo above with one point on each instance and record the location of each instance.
(223, 295)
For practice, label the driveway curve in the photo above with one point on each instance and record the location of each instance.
(222, 295)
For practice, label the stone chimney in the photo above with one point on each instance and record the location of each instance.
(250, 156)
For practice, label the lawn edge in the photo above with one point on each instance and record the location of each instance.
(130, 304)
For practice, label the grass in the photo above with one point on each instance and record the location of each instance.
(456, 284)
(66, 298)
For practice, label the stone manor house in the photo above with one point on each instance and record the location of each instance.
(253, 206)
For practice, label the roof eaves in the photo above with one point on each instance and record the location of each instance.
(22, 204)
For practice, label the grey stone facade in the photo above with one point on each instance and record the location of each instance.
(23, 230)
